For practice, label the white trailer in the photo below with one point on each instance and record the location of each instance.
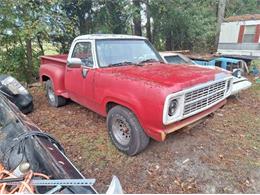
(240, 35)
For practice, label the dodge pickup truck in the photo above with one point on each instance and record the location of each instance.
(123, 78)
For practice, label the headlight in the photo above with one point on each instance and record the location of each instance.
(14, 86)
(173, 107)
(237, 73)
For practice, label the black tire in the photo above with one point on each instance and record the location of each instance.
(54, 100)
(137, 141)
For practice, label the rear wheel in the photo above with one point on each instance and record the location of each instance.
(54, 100)
(125, 131)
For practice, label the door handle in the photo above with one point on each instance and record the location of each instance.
(84, 72)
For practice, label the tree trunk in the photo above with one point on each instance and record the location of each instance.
(220, 19)
(153, 35)
(148, 23)
(137, 18)
(83, 26)
(29, 69)
(168, 43)
(40, 45)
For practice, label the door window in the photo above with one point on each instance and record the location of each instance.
(218, 63)
(84, 52)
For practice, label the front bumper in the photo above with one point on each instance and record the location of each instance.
(188, 121)
(240, 84)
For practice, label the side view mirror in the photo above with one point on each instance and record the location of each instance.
(75, 62)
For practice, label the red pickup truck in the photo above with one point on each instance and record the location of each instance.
(124, 78)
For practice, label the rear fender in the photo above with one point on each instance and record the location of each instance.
(56, 75)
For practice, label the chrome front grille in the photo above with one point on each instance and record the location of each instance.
(203, 97)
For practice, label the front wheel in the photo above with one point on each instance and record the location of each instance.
(125, 131)
(54, 100)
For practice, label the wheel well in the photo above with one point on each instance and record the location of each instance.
(110, 105)
(45, 78)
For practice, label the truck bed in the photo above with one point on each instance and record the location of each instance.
(51, 64)
(60, 59)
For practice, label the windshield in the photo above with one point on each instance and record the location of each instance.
(178, 59)
(114, 51)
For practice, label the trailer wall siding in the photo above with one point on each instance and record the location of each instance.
(229, 32)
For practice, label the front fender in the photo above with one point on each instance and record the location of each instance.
(148, 110)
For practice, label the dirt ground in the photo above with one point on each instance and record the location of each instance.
(222, 155)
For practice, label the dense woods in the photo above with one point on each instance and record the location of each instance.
(30, 28)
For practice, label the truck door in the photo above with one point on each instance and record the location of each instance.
(79, 77)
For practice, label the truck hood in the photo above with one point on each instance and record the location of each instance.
(179, 76)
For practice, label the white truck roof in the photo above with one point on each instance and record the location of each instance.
(107, 36)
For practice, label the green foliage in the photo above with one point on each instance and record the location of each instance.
(241, 7)
(11, 60)
(189, 27)
(22, 24)
(115, 17)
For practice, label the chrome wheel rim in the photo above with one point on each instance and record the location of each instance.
(121, 131)
(51, 95)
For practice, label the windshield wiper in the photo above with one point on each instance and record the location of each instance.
(150, 60)
(121, 64)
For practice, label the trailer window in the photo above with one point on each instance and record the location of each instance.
(249, 34)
